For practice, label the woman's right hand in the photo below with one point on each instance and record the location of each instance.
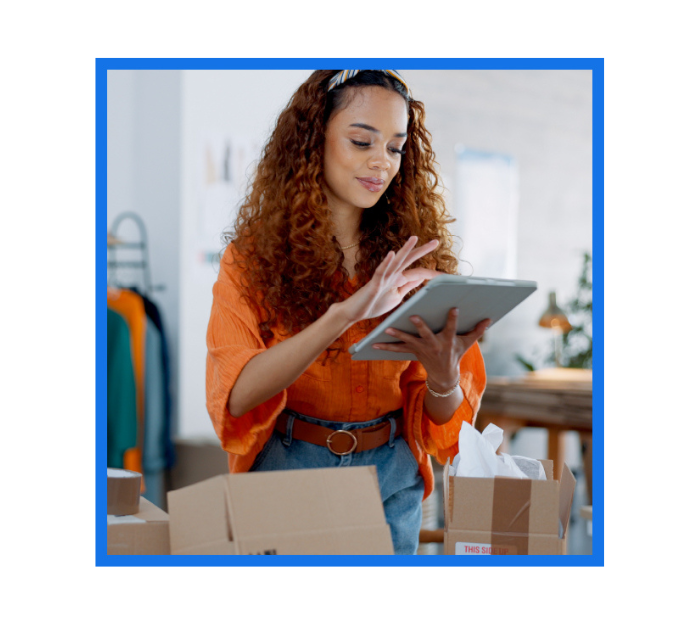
(390, 282)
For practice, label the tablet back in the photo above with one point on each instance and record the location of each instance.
(476, 299)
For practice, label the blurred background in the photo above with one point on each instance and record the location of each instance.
(515, 153)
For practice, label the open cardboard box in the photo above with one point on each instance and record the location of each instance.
(143, 533)
(507, 516)
(308, 511)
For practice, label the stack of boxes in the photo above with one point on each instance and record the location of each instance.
(332, 511)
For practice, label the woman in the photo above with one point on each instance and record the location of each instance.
(343, 202)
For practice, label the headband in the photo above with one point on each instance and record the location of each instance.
(347, 74)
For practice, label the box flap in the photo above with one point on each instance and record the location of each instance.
(544, 511)
(470, 503)
(198, 514)
(566, 497)
(512, 506)
(548, 466)
(305, 500)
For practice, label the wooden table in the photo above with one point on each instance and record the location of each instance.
(559, 400)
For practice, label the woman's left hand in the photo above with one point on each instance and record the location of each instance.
(440, 354)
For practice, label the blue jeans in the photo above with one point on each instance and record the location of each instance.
(400, 484)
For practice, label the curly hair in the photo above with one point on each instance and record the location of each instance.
(283, 234)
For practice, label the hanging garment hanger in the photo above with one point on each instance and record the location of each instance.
(114, 243)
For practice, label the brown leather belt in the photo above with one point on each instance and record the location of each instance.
(341, 442)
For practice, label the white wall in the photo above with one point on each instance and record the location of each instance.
(540, 118)
(143, 176)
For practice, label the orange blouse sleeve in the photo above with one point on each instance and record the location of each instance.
(233, 339)
(441, 441)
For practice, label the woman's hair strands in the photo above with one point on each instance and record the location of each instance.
(283, 235)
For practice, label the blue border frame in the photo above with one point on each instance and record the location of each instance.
(595, 65)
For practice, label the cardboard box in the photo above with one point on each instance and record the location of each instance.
(507, 516)
(309, 511)
(143, 533)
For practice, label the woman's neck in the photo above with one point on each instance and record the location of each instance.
(346, 222)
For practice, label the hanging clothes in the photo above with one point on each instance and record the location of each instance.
(154, 424)
(153, 456)
(122, 417)
(166, 451)
(131, 307)
(153, 450)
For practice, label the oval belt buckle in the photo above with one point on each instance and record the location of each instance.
(343, 453)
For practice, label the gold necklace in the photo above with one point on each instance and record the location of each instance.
(347, 247)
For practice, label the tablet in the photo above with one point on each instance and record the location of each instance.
(476, 298)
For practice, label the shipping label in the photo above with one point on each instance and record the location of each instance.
(483, 549)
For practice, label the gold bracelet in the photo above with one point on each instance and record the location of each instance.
(434, 394)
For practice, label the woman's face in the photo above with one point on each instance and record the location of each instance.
(363, 147)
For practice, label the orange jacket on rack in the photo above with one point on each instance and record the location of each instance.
(344, 390)
(130, 306)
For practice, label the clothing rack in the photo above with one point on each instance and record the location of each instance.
(114, 243)
(142, 405)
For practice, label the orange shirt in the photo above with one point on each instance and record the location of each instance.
(343, 390)
(130, 306)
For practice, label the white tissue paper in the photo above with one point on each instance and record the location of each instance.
(477, 457)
